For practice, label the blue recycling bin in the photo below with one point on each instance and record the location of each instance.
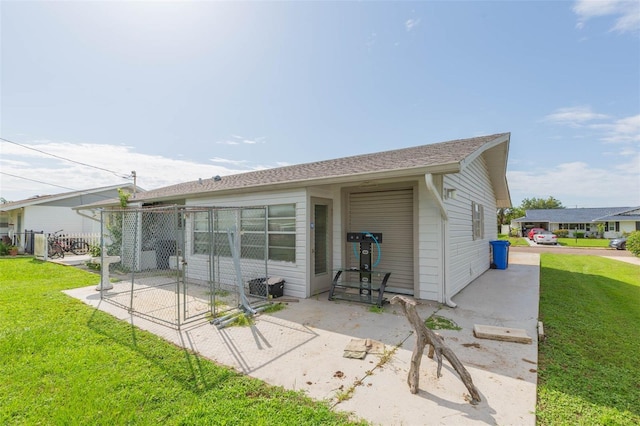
(500, 249)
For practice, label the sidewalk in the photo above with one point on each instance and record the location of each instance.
(301, 348)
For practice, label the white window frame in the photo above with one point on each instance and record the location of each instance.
(278, 228)
(477, 220)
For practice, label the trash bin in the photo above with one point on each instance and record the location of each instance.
(269, 287)
(500, 249)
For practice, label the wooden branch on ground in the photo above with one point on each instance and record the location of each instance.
(425, 336)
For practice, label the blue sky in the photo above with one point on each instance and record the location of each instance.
(182, 90)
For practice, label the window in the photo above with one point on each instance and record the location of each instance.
(477, 212)
(281, 233)
(252, 241)
(201, 232)
(224, 220)
(273, 227)
(612, 226)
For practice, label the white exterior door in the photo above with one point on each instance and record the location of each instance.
(321, 254)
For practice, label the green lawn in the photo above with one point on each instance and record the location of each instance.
(584, 242)
(513, 241)
(66, 363)
(589, 369)
(63, 362)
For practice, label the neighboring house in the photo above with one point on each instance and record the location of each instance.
(435, 206)
(50, 213)
(616, 220)
(4, 223)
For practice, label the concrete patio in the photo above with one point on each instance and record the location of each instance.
(301, 348)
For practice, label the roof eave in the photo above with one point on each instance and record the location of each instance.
(453, 167)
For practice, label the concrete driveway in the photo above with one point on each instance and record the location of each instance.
(301, 348)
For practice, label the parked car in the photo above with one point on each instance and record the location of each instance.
(618, 243)
(534, 231)
(545, 237)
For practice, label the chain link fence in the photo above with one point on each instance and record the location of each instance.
(179, 264)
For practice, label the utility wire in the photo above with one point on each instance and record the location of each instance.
(67, 159)
(82, 191)
(38, 181)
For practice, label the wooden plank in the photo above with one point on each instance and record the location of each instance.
(505, 334)
(540, 331)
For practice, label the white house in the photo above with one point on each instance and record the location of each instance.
(435, 206)
(615, 221)
(50, 213)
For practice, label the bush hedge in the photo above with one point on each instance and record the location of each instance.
(633, 243)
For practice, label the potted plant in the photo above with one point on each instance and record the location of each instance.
(13, 250)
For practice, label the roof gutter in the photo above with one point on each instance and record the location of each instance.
(453, 167)
(435, 194)
(92, 217)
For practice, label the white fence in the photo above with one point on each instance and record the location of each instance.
(67, 240)
(43, 242)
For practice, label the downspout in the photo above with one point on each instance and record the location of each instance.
(428, 179)
(92, 217)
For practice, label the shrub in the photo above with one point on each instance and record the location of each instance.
(561, 233)
(633, 243)
(579, 234)
(4, 249)
(95, 250)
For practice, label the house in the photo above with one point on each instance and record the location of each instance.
(616, 221)
(434, 206)
(4, 224)
(51, 213)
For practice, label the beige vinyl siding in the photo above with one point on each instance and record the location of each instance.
(469, 258)
(390, 213)
(430, 254)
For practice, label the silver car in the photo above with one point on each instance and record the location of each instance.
(618, 243)
(545, 237)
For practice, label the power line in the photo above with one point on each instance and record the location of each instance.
(82, 191)
(67, 159)
(38, 181)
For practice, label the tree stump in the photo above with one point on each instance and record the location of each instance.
(425, 336)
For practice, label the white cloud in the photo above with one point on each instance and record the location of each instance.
(627, 13)
(227, 161)
(579, 184)
(574, 116)
(153, 171)
(237, 140)
(410, 24)
(623, 130)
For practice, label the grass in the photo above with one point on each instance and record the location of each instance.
(437, 322)
(568, 242)
(514, 241)
(584, 242)
(588, 365)
(66, 363)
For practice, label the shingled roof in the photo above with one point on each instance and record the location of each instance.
(443, 157)
(581, 215)
(43, 199)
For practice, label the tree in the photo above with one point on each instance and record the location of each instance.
(506, 215)
(539, 203)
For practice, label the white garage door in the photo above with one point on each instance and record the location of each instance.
(390, 213)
